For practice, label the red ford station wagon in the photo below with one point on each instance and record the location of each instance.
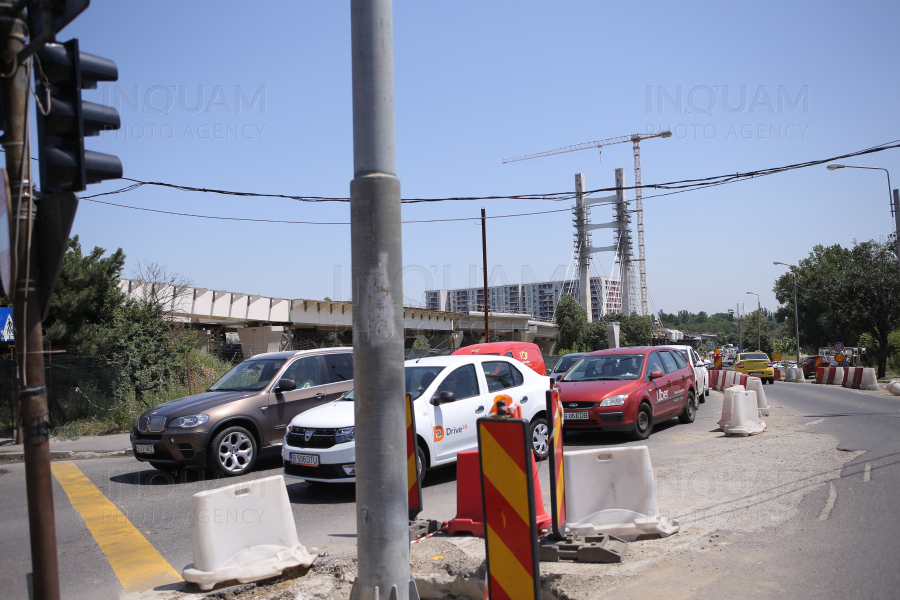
(628, 389)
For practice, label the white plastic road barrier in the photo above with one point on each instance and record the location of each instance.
(861, 378)
(894, 387)
(611, 490)
(740, 413)
(834, 376)
(795, 374)
(244, 531)
(755, 384)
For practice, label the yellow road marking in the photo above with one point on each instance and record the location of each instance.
(504, 473)
(134, 560)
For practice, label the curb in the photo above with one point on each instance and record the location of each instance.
(69, 454)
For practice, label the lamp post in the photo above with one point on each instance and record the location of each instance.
(893, 201)
(796, 320)
(758, 322)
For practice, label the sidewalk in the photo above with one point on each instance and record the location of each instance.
(83, 447)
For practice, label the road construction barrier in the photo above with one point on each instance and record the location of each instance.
(740, 413)
(795, 375)
(413, 484)
(777, 374)
(469, 519)
(557, 472)
(755, 384)
(714, 377)
(830, 375)
(508, 491)
(611, 491)
(243, 531)
(894, 387)
(860, 378)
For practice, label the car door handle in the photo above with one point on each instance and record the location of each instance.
(523, 400)
(479, 410)
(263, 408)
(320, 395)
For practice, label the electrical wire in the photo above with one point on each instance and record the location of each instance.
(220, 218)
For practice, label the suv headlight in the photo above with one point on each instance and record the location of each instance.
(189, 421)
(614, 400)
(344, 435)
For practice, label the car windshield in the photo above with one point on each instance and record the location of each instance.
(565, 363)
(755, 356)
(606, 367)
(248, 376)
(417, 381)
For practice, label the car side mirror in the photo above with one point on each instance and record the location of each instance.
(560, 376)
(699, 363)
(443, 398)
(286, 385)
(655, 375)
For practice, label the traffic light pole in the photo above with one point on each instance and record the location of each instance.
(382, 515)
(33, 413)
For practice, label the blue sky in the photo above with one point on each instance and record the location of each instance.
(477, 82)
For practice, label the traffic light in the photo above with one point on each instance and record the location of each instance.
(65, 165)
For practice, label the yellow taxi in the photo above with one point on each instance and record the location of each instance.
(755, 364)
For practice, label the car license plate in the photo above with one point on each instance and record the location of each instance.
(577, 415)
(309, 460)
(144, 448)
(756, 373)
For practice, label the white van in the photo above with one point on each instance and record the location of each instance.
(449, 393)
(701, 373)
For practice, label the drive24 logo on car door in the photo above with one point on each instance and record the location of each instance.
(440, 432)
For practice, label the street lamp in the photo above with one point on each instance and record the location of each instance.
(893, 202)
(758, 322)
(796, 320)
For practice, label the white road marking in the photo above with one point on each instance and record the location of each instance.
(829, 504)
(867, 474)
(813, 422)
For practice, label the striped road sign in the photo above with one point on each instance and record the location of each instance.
(414, 490)
(507, 492)
(557, 480)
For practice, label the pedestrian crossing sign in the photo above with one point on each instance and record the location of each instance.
(8, 332)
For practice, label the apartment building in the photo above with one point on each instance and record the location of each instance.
(535, 299)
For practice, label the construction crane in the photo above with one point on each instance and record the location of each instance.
(635, 139)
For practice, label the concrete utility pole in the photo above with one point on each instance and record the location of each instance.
(584, 242)
(382, 523)
(27, 315)
(897, 222)
(487, 299)
(623, 235)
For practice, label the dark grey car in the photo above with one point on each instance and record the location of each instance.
(246, 412)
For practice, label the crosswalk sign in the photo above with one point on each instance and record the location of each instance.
(8, 332)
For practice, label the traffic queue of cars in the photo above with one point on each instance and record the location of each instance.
(302, 405)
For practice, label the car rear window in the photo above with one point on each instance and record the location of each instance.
(606, 367)
(755, 356)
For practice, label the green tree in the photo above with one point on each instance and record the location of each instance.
(845, 293)
(571, 323)
(750, 334)
(86, 296)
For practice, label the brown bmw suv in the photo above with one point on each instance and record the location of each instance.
(247, 411)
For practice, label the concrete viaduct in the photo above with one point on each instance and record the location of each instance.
(268, 324)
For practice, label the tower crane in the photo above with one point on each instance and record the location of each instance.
(635, 139)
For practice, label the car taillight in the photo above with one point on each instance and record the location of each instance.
(740, 365)
(769, 364)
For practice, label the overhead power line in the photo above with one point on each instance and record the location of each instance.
(677, 187)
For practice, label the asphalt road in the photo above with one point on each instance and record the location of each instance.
(855, 550)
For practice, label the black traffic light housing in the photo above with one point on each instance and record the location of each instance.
(65, 165)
